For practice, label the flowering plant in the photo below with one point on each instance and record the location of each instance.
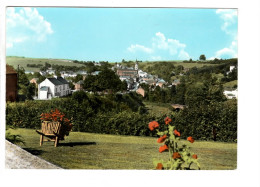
(180, 157)
(57, 116)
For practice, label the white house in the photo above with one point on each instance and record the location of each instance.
(50, 71)
(28, 72)
(53, 87)
(231, 94)
(142, 73)
(231, 68)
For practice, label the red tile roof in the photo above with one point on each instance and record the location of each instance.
(10, 70)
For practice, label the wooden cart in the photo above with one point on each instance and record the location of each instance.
(53, 131)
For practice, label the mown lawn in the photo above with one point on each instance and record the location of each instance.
(98, 151)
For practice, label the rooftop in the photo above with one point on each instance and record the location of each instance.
(10, 70)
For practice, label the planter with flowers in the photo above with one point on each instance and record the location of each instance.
(55, 126)
(180, 156)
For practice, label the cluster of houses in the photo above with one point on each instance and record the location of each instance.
(59, 86)
(135, 76)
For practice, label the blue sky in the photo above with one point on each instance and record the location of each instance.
(113, 34)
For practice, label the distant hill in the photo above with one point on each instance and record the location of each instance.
(23, 61)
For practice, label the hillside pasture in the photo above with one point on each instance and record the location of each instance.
(145, 65)
(15, 61)
(230, 84)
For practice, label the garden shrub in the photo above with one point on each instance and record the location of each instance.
(99, 114)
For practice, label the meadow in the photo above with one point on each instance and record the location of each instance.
(101, 151)
(22, 62)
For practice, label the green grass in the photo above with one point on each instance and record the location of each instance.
(145, 65)
(230, 84)
(191, 65)
(98, 151)
(15, 61)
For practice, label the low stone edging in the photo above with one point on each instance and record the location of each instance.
(17, 158)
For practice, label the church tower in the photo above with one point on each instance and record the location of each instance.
(136, 65)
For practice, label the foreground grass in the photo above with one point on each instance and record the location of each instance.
(98, 151)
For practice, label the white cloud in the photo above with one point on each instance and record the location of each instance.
(183, 55)
(227, 52)
(229, 17)
(229, 26)
(155, 58)
(171, 45)
(137, 47)
(161, 45)
(24, 25)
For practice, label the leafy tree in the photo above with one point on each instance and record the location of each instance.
(202, 57)
(180, 92)
(108, 80)
(22, 78)
(78, 78)
(90, 83)
(124, 86)
(79, 96)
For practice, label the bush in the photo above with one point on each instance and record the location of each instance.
(216, 122)
(118, 115)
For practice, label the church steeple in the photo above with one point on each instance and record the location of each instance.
(136, 65)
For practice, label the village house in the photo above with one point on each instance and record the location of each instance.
(43, 73)
(231, 68)
(124, 71)
(141, 91)
(142, 73)
(50, 71)
(65, 74)
(79, 85)
(53, 87)
(11, 84)
(161, 83)
(95, 72)
(29, 72)
(34, 81)
(231, 94)
(176, 82)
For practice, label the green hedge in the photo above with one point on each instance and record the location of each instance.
(88, 113)
(98, 114)
(200, 122)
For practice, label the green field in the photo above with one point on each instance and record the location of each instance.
(230, 84)
(15, 61)
(23, 61)
(99, 151)
(145, 65)
(158, 109)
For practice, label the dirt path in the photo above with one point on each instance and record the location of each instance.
(17, 158)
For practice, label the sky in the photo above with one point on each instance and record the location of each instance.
(113, 34)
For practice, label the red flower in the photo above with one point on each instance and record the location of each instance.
(190, 139)
(176, 155)
(194, 156)
(161, 139)
(177, 133)
(153, 125)
(167, 120)
(163, 148)
(159, 166)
